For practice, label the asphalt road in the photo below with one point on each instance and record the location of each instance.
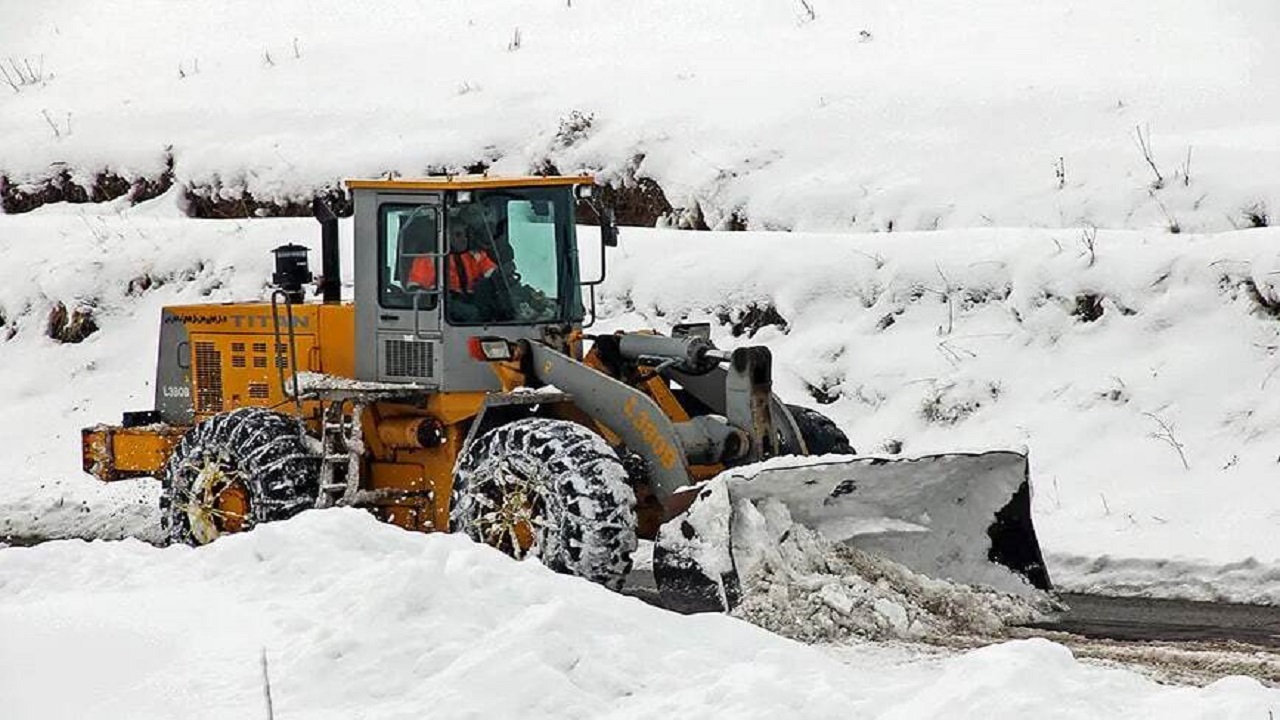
(1145, 619)
(1102, 617)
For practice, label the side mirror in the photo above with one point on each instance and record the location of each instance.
(609, 228)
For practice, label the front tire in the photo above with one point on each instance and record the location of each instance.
(551, 489)
(235, 470)
(821, 434)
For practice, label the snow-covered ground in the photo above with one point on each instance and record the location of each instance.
(1137, 367)
(872, 115)
(362, 620)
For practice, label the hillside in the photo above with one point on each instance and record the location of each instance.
(778, 114)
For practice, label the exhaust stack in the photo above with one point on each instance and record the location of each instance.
(330, 264)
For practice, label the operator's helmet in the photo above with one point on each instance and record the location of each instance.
(462, 237)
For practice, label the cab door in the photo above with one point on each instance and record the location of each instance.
(398, 289)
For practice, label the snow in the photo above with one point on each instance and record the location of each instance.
(796, 582)
(361, 619)
(1135, 366)
(871, 116)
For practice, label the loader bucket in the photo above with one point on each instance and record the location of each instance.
(963, 517)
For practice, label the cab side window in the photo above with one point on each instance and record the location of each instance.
(408, 254)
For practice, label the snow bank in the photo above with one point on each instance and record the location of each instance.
(360, 619)
(871, 116)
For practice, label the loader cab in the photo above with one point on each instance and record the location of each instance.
(441, 261)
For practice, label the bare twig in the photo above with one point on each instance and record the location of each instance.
(22, 74)
(947, 290)
(1271, 373)
(514, 43)
(807, 12)
(266, 687)
(266, 58)
(1166, 436)
(1144, 144)
(297, 54)
(1105, 507)
(1088, 238)
(1186, 169)
(1060, 172)
(1174, 226)
(955, 354)
(876, 258)
(57, 133)
(11, 82)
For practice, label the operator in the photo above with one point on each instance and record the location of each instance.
(468, 264)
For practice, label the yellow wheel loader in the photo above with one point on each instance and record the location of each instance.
(461, 390)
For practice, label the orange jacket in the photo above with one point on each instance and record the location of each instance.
(474, 265)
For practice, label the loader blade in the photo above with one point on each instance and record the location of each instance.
(963, 517)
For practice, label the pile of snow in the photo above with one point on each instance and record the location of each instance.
(879, 115)
(359, 619)
(797, 583)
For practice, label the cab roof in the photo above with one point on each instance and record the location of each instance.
(468, 182)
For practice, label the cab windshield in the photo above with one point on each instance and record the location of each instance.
(509, 258)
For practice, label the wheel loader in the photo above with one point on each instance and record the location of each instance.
(461, 389)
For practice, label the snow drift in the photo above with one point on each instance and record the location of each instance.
(360, 619)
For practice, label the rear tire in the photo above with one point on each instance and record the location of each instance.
(552, 489)
(821, 434)
(235, 470)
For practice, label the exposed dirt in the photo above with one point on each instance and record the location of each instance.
(637, 201)
(70, 326)
(61, 186)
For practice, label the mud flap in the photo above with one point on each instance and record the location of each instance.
(959, 517)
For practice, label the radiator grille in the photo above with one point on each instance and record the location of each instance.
(406, 358)
(208, 378)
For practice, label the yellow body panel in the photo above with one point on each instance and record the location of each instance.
(468, 182)
(240, 340)
(112, 453)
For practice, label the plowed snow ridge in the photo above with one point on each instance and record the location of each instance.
(360, 619)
